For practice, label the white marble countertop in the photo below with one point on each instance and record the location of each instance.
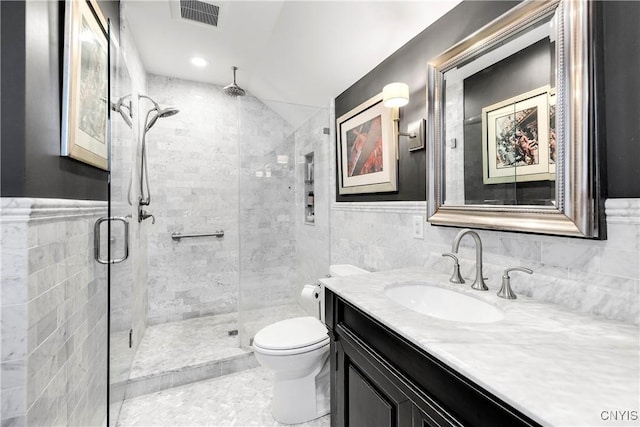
(555, 366)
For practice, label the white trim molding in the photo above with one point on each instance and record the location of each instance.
(622, 211)
(384, 207)
(24, 209)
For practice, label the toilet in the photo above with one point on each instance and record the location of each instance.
(297, 351)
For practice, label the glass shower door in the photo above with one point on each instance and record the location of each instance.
(273, 208)
(121, 275)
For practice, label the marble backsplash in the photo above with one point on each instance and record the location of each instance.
(599, 278)
(53, 313)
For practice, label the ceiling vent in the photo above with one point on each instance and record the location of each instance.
(199, 11)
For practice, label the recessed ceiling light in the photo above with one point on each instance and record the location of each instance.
(198, 62)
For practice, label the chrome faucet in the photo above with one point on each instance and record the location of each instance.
(478, 283)
(455, 275)
(143, 214)
(505, 291)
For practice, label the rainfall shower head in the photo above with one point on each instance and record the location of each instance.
(233, 90)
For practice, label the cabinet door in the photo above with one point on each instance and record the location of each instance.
(367, 397)
(369, 393)
(422, 419)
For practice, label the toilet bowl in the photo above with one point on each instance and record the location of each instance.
(297, 351)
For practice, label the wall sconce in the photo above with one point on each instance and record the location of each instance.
(396, 95)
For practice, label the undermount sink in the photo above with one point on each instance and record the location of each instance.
(442, 303)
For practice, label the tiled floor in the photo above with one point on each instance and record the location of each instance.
(176, 345)
(240, 399)
(192, 372)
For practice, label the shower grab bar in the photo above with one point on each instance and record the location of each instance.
(178, 236)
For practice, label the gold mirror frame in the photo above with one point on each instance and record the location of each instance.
(576, 209)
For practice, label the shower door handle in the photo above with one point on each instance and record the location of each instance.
(97, 243)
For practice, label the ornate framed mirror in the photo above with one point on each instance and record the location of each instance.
(513, 127)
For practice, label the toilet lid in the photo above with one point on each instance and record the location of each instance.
(293, 333)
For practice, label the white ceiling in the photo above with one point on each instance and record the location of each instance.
(290, 54)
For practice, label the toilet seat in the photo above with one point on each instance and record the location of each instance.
(292, 336)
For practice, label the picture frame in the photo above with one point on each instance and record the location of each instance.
(515, 139)
(85, 101)
(553, 152)
(366, 149)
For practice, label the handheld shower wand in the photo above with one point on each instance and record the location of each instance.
(145, 200)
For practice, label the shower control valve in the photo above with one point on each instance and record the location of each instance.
(142, 215)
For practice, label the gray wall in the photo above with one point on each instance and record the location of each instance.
(409, 64)
(619, 63)
(622, 96)
(32, 36)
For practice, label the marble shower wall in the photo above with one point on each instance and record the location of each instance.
(312, 240)
(53, 314)
(267, 219)
(200, 161)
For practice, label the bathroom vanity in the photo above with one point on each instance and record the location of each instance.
(538, 365)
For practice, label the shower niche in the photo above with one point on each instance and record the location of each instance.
(309, 197)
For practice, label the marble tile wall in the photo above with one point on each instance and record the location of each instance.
(595, 277)
(312, 240)
(193, 159)
(267, 219)
(53, 314)
(267, 216)
(214, 166)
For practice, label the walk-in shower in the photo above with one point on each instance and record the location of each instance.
(219, 167)
(149, 121)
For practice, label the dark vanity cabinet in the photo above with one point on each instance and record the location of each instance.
(379, 378)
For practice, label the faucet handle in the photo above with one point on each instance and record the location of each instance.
(144, 215)
(455, 275)
(505, 290)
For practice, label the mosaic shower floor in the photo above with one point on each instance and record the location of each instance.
(175, 354)
(175, 345)
(240, 399)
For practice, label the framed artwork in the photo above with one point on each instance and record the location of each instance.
(515, 139)
(85, 105)
(366, 149)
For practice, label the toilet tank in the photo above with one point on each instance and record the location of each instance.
(343, 270)
(340, 270)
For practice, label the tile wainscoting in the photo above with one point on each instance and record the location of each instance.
(593, 277)
(54, 313)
